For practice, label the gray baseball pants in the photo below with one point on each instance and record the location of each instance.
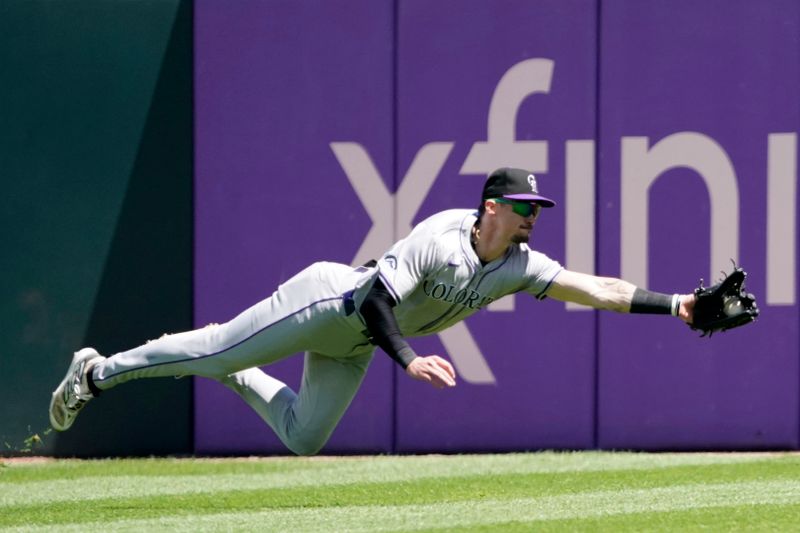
(308, 313)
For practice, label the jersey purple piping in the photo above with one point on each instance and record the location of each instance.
(223, 350)
(541, 294)
(508, 256)
(389, 286)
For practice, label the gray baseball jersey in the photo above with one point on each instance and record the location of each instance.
(433, 274)
(437, 279)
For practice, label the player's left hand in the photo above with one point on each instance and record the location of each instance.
(434, 370)
(686, 308)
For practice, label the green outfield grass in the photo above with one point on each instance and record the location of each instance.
(516, 492)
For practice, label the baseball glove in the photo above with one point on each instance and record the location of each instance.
(725, 305)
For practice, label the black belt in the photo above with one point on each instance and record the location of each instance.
(350, 308)
(349, 303)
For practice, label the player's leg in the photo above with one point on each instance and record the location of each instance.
(304, 313)
(303, 421)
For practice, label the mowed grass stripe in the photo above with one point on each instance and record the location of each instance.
(533, 462)
(420, 492)
(331, 473)
(470, 513)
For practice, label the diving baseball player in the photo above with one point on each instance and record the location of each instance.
(450, 266)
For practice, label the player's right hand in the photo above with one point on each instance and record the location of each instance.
(434, 370)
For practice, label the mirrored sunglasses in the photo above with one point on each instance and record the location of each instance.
(523, 209)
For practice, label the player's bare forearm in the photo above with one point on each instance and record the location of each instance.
(595, 291)
(613, 294)
(434, 370)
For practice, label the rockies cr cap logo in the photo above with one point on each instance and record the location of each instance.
(532, 183)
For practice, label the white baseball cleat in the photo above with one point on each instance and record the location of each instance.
(73, 392)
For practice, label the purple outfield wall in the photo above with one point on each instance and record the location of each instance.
(667, 131)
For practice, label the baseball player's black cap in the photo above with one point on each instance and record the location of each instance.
(514, 184)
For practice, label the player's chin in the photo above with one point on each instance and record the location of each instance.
(521, 238)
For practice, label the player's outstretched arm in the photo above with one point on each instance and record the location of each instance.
(618, 295)
(434, 370)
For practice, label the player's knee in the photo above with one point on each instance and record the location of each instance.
(306, 447)
(307, 441)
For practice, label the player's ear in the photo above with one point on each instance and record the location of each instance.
(490, 206)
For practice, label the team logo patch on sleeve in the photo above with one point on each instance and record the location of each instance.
(392, 261)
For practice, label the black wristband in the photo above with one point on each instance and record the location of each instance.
(652, 303)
